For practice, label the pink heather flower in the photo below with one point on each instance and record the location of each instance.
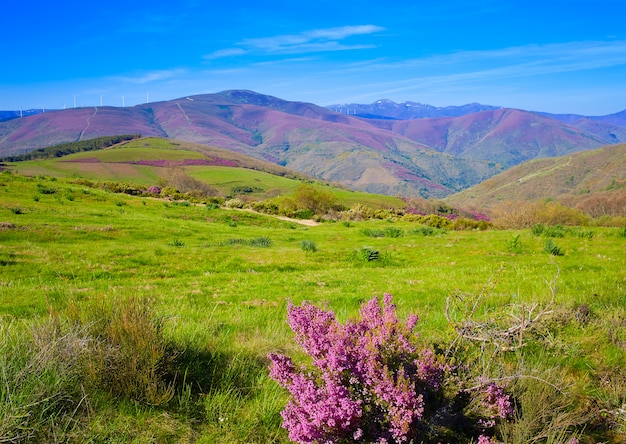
(368, 381)
(411, 322)
(281, 369)
(358, 434)
(497, 401)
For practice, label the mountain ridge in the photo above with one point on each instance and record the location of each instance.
(418, 157)
(407, 110)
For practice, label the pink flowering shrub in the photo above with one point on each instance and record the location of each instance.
(154, 190)
(497, 401)
(370, 382)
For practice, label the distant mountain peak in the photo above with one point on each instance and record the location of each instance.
(407, 110)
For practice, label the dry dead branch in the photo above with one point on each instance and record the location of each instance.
(505, 336)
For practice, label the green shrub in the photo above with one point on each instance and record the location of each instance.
(308, 245)
(394, 232)
(436, 221)
(303, 214)
(44, 189)
(425, 230)
(588, 234)
(269, 206)
(367, 254)
(554, 231)
(552, 248)
(234, 203)
(171, 193)
(465, 223)
(262, 242)
(537, 229)
(373, 232)
(245, 189)
(515, 244)
(358, 212)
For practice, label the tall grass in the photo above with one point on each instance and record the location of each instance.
(193, 325)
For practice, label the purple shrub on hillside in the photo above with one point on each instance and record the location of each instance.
(154, 190)
(370, 382)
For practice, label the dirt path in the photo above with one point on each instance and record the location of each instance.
(307, 222)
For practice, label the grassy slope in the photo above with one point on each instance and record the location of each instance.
(79, 244)
(117, 163)
(571, 178)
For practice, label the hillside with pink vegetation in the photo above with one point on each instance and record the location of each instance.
(419, 157)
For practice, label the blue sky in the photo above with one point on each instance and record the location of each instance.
(552, 55)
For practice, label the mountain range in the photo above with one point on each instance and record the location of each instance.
(382, 151)
(387, 109)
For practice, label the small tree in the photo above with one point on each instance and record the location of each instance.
(370, 382)
(316, 200)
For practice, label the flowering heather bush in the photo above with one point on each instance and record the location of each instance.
(370, 382)
(154, 190)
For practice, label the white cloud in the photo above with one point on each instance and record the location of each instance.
(228, 52)
(318, 40)
(503, 63)
(154, 76)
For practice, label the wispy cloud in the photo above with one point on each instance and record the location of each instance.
(512, 62)
(318, 40)
(228, 52)
(478, 73)
(153, 76)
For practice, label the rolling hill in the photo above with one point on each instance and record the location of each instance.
(419, 157)
(576, 180)
(305, 137)
(186, 166)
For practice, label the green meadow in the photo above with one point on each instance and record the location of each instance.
(212, 286)
(120, 163)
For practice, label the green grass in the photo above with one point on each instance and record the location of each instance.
(116, 164)
(225, 178)
(220, 281)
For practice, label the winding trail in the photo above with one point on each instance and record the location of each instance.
(80, 136)
(184, 114)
